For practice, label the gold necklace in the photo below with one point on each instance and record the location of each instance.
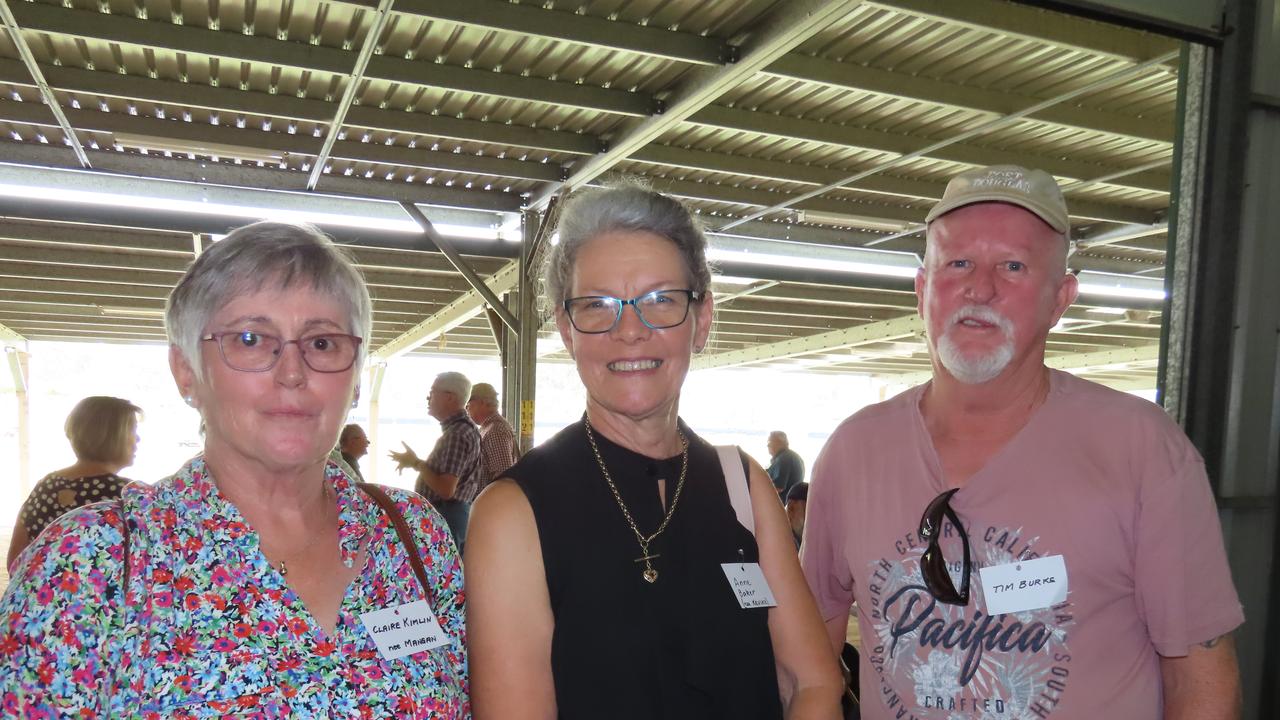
(280, 564)
(650, 575)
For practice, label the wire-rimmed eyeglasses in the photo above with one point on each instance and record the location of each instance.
(933, 567)
(250, 351)
(660, 309)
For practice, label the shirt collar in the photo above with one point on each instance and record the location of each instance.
(226, 529)
(459, 417)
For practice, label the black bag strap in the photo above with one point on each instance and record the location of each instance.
(379, 496)
(375, 493)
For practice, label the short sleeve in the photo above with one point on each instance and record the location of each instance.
(457, 453)
(55, 618)
(1183, 582)
(822, 554)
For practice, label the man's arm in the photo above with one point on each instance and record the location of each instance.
(442, 484)
(1204, 684)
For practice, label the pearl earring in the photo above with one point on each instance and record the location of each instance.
(189, 400)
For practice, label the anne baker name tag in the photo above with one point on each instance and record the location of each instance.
(1020, 586)
(748, 583)
(404, 629)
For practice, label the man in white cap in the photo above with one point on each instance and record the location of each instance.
(1020, 543)
(497, 439)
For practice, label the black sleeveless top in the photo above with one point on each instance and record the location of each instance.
(681, 647)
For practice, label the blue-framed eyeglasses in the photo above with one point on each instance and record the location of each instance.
(660, 309)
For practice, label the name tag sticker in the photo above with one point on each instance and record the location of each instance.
(1028, 585)
(748, 583)
(404, 629)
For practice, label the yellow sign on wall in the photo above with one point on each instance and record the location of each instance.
(526, 418)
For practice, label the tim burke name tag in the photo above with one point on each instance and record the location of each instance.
(405, 629)
(748, 583)
(1021, 586)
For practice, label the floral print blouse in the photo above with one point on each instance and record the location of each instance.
(208, 628)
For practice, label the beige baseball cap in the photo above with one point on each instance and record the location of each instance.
(1034, 190)
(483, 391)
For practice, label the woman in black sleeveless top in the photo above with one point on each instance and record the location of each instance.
(598, 570)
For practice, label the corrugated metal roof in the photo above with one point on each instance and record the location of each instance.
(475, 104)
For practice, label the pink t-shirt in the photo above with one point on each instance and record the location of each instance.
(1102, 478)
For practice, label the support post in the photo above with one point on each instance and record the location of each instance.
(1225, 389)
(19, 360)
(528, 333)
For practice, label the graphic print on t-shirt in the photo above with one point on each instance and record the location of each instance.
(935, 660)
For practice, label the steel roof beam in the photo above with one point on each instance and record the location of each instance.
(897, 187)
(9, 337)
(792, 22)
(80, 300)
(714, 192)
(895, 144)
(355, 77)
(60, 20)
(918, 88)
(1013, 19)
(92, 235)
(463, 268)
(513, 87)
(16, 290)
(465, 308)
(981, 128)
(113, 165)
(226, 99)
(37, 75)
(895, 329)
(537, 22)
(269, 51)
(47, 253)
(207, 139)
(129, 281)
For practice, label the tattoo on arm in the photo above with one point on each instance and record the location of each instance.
(1210, 644)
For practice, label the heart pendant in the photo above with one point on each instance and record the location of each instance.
(650, 576)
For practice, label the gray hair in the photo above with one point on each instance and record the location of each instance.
(260, 255)
(626, 206)
(347, 431)
(456, 383)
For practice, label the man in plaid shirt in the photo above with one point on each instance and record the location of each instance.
(497, 439)
(450, 476)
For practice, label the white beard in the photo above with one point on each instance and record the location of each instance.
(975, 370)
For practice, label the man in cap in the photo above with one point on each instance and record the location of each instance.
(497, 440)
(1021, 543)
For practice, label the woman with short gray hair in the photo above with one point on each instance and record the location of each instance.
(607, 568)
(259, 578)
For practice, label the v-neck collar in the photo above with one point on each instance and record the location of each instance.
(230, 532)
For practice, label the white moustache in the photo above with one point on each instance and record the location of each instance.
(981, 313)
